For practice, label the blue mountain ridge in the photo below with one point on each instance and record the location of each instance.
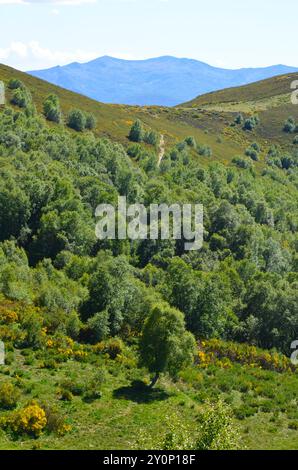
(163, 81)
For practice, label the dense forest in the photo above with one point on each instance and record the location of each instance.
(241, 287)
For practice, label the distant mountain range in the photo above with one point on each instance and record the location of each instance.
(164, 81)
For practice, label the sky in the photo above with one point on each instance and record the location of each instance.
(36, 34)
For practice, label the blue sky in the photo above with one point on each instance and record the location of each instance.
(227, 33)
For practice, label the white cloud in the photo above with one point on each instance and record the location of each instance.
(56, 2)
(17, 48)
(31, 55)
(10, 2)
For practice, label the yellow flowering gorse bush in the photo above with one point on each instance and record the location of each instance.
(66, 347)
(29, 420)
(224, 353)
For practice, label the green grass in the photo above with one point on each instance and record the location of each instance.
(270, 98)
(128, 408)
(268, 88)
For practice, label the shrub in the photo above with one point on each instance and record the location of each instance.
(217, 242)
(293, 426)
(288, 161)
(295, 141)
(93, 389)
(90, 121)
(218, 431)
(65, 395)
(136, 133)
(181, 146)
(205, 151)
(191, 376)
(51, 109)
(76, 120)
(90, 390)
(239, 119)
(151, 138)
(252, 153)
(256, 147)
(244, 411)
(134, 151)
(30, 420)
(289, 125)
(56, 421)
(20, 98)
(9, 396)
(33, 330)
(267, 407)
(191, 141)
(251, 123)
(15, 83)
(175, 435)
(11, 140)
(215, 349)
(242, 163)
(9, 358)
(8, 315)
(72, 386)
(113, 347)
(50, 364)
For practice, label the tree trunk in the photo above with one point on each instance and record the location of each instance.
(154, 380)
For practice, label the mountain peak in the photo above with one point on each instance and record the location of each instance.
(164, 80)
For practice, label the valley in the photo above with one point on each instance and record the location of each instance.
(120, 344)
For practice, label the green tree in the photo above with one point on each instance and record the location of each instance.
(20, 98)
(191, 141)
(76, 120)
(212, 313)
(289, 125)
(204, 150)
(51, 108)
(136, 133)
(239, 119)
(15, 210)
(151, 137)
(253, 152)
(251, 123)
(15, 83)
(165, 345)
(115, 292)
(98, 327)
(90, 121)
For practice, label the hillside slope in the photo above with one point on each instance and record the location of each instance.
(78, 315)
(114, 121)
(208, 118)
(270, 99)
(164, 81)
(260, 90)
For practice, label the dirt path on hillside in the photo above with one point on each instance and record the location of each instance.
(161, 149)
